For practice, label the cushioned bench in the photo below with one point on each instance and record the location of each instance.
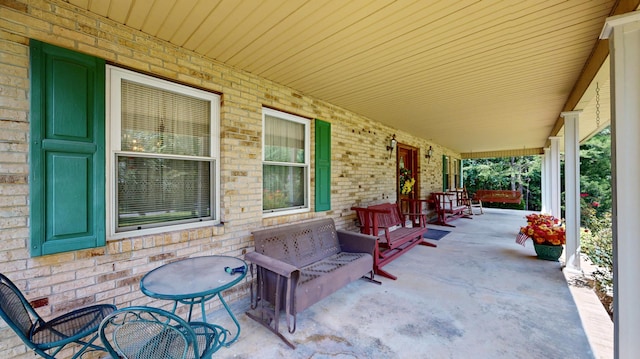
(300, 264)
(394, 238)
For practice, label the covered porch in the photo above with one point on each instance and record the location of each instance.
(478, 295)
(453, 80)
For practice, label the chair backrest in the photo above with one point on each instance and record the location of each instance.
(145, 332)
(392, 218)
(299, 244)
(16, 310)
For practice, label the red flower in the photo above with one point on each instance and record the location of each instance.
(544, 229)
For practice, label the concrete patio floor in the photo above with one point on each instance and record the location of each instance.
(477, 295)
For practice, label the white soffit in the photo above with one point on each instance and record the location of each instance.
(474, 76)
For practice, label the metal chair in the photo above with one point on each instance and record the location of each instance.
(153, 333)
(47, 338)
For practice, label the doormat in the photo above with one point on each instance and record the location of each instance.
(435, 234)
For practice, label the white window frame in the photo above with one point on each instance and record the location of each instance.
(306, 165)
(114, 76)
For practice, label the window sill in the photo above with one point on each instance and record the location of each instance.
(216, 227)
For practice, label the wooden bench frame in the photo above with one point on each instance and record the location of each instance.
(449, 206)
(498, 196)
(387, 222)
(417, 211)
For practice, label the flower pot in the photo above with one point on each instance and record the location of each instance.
(548, 252)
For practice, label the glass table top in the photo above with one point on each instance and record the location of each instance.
(192, 277)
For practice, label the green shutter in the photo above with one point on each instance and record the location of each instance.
(323, 166)
(67, 150)
(445, 172)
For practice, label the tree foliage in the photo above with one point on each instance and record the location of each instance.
(524, 174)
(595, 208)
(508, 173)
(595, 172)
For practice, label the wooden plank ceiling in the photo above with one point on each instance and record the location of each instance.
(474, 76)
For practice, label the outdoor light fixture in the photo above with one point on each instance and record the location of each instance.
(392, 144)
(429, 154)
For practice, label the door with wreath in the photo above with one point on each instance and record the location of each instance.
(407, 173)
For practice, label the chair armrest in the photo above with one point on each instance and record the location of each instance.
(75, 325)
(353, 242)
(277, 266)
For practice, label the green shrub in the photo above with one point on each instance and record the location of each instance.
(597, 245)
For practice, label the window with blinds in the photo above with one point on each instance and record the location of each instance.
(164, 141)
(285, 167)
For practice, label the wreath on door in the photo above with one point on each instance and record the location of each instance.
(406, 181)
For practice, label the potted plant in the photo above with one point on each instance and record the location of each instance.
(548, 235)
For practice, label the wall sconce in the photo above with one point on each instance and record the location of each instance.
(429, 154)
(392, 144)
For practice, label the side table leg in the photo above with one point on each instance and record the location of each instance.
(204, 314)
(190, 311)
(175, 306)
(226, 306)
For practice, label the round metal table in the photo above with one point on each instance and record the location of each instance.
(194, 281)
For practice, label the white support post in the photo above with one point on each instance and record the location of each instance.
(572, 188)
(623, 33)
(554, 177)
(544, 179)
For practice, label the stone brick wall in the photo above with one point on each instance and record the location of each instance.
(362, 173)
